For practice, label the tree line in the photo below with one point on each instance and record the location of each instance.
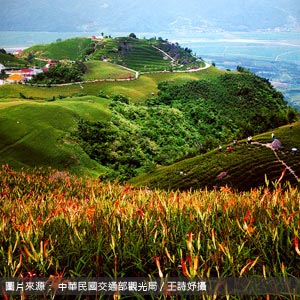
(61, 73)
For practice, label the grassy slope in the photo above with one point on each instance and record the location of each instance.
(37, 134)
(70, 49)
(11, 61)
(246, 166)
(105, 70)
(138, 55)
(136, 90)
(40, 137)
(38, 143)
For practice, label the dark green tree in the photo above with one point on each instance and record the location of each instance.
(30, 57)
(61, 73)
(120, 98)
(132, 35)
(3, 75)
(292, 115)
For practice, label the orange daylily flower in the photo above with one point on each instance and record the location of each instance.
(296, 243)
(225, 189)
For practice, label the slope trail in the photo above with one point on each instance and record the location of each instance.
(269, 145)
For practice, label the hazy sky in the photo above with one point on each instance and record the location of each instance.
(149, 15)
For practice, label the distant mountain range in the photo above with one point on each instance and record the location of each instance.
(169, 16)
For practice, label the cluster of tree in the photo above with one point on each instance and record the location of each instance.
(180, 54)
(91, 49)
(132, 35)
(3, 51)
(137, 138)
(3, 74)
(243, 102)
(61, 73)
(182, 121)
(9, 60)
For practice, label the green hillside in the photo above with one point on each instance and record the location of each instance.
(72, 49)
(161, 131)
(183, 120)
(121, 130)
(104, 70)
(247, 166)
(38, 133)
(145, 54)
(133, 53)
(137, 90)
(9, 60)
(138, 54)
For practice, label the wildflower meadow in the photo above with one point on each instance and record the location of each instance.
(55, 224)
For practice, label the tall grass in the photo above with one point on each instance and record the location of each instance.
(54, 223)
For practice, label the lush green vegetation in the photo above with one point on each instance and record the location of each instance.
(138, 54)
(245, 167)
(137, 138)
(55, 224)
(70, 49)
(105, 70)
(182, 121)
(38, 133)
(219, 102)
(9, 60)
(61, 73)
(157, 120)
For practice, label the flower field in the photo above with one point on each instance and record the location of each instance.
(52, 223)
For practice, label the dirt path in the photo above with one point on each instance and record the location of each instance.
(269, 145)
(207, 65)
(287, 167)
(166, 54)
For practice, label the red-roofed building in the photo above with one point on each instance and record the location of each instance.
(17, 52)
(27, 72)
(48, 65)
